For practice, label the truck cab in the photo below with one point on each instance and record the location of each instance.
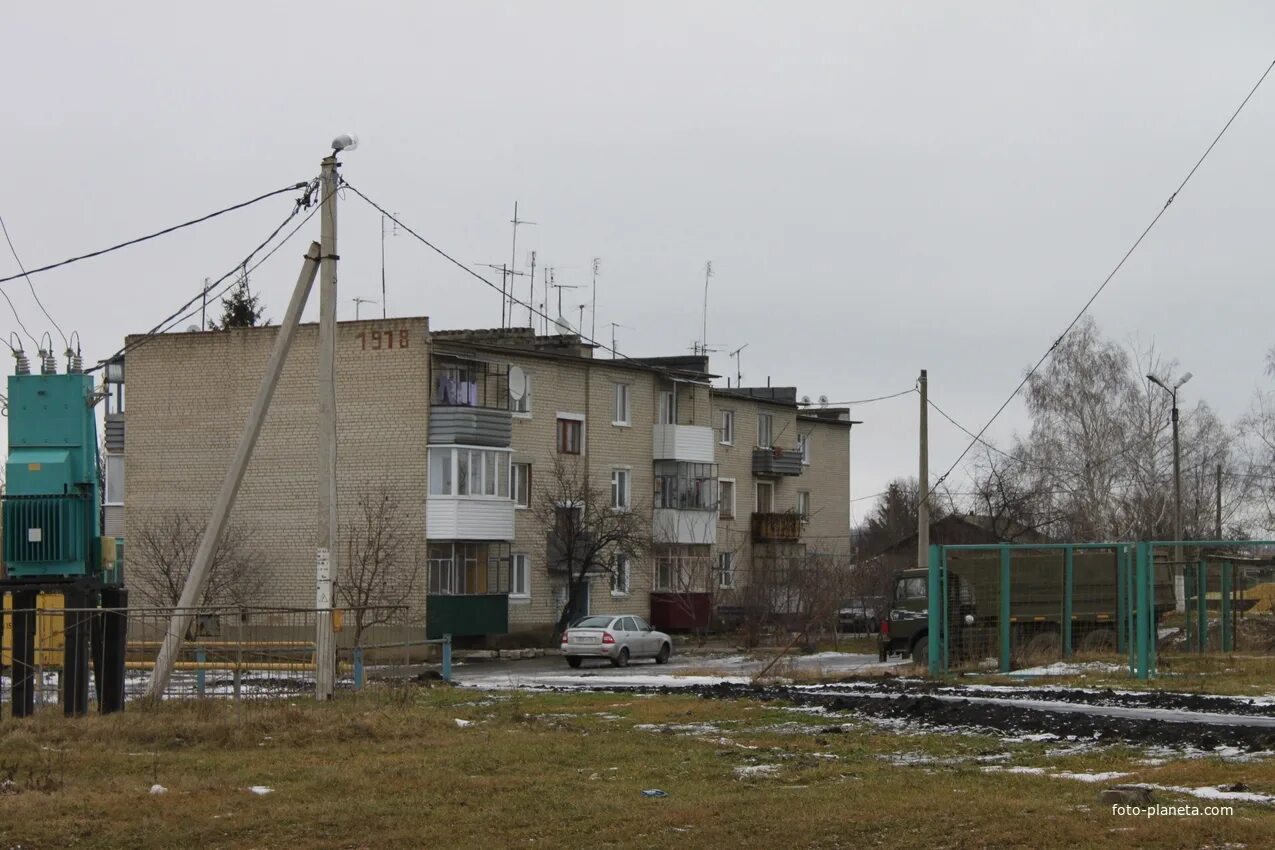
(905, 629)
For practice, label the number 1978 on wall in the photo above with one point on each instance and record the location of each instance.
(382, 340)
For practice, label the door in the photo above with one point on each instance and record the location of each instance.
(580, 605)
(650, 642)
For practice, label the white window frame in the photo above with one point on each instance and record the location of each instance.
(803, 444)
(803, 496)
(621, 407)
(728, 428)
(525, 401)
(721, 501)
(674, 567)
(514, 477)
(113, 478)
(725, 570)
(621, 567)
(575, 417)
(485, 453)
(525, 560)
(666, 410)
(626, 503)
(757, 497)
(769, 419)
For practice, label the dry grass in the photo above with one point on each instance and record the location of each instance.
(393, 769)
(1215, 673)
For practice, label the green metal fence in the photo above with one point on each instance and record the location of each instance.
(1011, 599)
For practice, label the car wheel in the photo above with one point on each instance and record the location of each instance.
(661, 657)
(621, 660)
(574, 661)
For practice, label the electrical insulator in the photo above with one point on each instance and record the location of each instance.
(48, 363)
(23, 366)
(74, 362)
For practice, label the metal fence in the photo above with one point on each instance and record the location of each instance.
(1014, 606)
(239, 653)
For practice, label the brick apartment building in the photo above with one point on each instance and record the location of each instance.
(460, 431)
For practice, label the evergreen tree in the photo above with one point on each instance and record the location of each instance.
(239, 309)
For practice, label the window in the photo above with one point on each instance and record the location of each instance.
(620, 476)
(765, 497)
(620, 576)
(620, 413)
(765, 430)
(728, 428)
(911, 588)
(114, 479)
(521, 484)
(803, 446)
(725, 570)
(666, 573)
(570, 435)
(685, 486)
(803, 505)
(726, 504)
(520, 576)
(521, 406)
(668, 408)
(466, 568)
(468, 472)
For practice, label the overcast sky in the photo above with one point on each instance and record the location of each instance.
(880, 187)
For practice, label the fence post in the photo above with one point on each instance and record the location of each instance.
(1142, 612)
(1227, 637)
(1202, 606)
(936, 613)
(447, 657)
(1069, 573)
(1004, 611)
(1122, 617)
(201, 656)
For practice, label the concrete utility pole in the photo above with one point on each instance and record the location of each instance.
(1179, 580)
(923, 481)
(184, 614)
(325, 561)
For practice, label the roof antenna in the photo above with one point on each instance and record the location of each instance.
(708, 272)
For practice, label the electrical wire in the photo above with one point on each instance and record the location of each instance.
(184, 311)
(908, 391)
(156, 234)
(18, 260)
(1108, 278)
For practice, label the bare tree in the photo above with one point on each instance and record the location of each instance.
(382, 566)
(164, 548)
(585, 532)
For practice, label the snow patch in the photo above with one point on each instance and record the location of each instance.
(158, 789)
(1091, 777)
(260, 790)
(1061, 668)
(750, 771)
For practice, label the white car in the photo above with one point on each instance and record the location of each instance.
(615, 638)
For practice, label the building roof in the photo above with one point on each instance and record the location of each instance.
(787, 396)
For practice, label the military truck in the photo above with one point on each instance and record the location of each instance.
(1036, 604)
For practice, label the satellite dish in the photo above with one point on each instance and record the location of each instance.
(805, 399)
(823, 399)
(517, 383)
(562, 326)
(192, 328)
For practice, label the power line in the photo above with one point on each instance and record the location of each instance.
(908, 391)
(156, 234)
(183, 312)
(22, 268)
(1109, 277)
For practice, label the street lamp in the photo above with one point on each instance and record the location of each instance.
(1179, 593)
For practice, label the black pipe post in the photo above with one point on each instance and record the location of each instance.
(75, 656)
(23, 661)
(114, 620)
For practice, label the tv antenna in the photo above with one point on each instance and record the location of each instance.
(739, 373)
(593, 312)
(393, 231)
(359, 302)
(513, 262)
(615, 325)
(506, 275)
(708, 273)
(561, 321)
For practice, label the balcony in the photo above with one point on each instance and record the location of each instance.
(464, 615)
(672, 525)
(776, 462)
(469, 402)
(458, 518)
(776, 528)
(682, 442)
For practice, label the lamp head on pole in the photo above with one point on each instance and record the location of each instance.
(1182, 380)
(345, 142)
(1159, 383)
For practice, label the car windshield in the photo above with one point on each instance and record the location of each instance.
(593, 623)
